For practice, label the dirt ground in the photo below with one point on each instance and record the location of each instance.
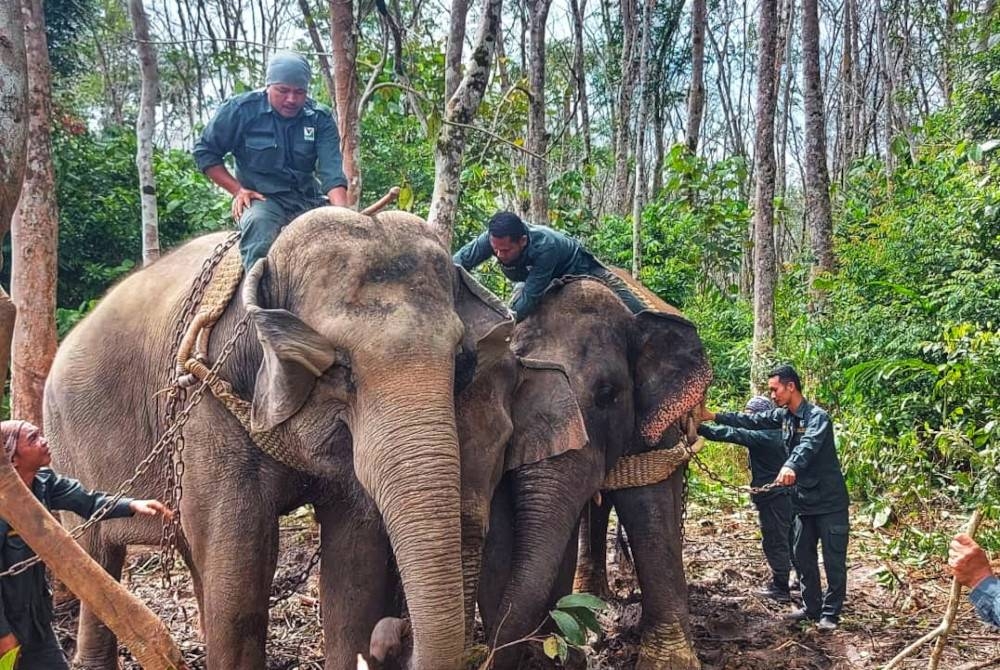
(733, 629)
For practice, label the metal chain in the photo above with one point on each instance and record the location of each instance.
(752, 490)
(295, 582)
(173, 466)
(167, 437)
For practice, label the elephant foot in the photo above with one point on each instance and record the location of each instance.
(667, 647)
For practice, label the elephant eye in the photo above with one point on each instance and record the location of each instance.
(606, 395)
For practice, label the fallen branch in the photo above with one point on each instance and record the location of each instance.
(940, 634)
(979, 665)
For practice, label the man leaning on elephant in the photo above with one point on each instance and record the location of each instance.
(287, 151)
(535, 255)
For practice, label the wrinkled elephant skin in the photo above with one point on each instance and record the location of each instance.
(357, 323)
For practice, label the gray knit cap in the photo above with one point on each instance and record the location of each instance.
(289, 68)
(759, 403)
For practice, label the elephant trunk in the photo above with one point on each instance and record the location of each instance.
(406, 457)
(549, 497)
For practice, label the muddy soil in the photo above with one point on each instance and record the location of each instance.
(889, 605)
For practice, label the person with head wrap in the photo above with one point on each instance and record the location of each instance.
(287, 152)
(774, 507)
(25, 598)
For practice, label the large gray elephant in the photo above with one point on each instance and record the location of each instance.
(359, 322)
(636, 378)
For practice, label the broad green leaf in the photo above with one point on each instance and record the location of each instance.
(569, 626)
(9, 660)
(563, 649)
(406, 198)
(586, 600)
(585, 617)
(551, 646)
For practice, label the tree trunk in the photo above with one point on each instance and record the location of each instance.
(13, 149)
(345, 75)
(645, 25)
(817, 185)
(460, 110)
(145, 124)
(538, 12)
(317, 42)
(626, 93)
(456, 43)
(763, 225)
(34, 235)
(696, 94)
(134, 624)
(580, 77)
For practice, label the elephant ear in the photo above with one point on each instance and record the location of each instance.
(546, 416)
(671, 372)
(488, 327)
(295, 355)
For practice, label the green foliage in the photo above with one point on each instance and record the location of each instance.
(100, 214)
(574, 615)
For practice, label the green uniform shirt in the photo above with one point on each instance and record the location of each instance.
(25, 598)
(810, 453)
(548, 255)
(274, 155)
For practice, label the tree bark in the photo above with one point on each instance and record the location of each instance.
(317, 42)
(460, 110)
(34, 235)
(135, 625)
(345, 74)
(578, 8)
(456, 43)
(817, 185)
(696, 94)
(13, 149)
(626, 94)
(145, 124)
(638, 196)
(763, 219)
(538, 12)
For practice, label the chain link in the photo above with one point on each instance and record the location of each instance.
(175, 421)
(696, 458)
(295, 582)
(173, 463)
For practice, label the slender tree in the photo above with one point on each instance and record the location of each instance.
(763, 217)
(13, 148)
(626, 95)
(35, 234)
(818, 217)
(144, 127)
(460, 110)
(538, 12)
(345, 74)
(638, 197)
(579, 8)
(696, 94)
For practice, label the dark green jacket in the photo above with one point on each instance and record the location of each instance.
(25, 598)
(274, 154)
(767, 454)
(811, 453)
(549, 255)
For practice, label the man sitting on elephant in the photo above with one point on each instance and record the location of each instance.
(26, 602)
(536, 255)
(287, 151)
